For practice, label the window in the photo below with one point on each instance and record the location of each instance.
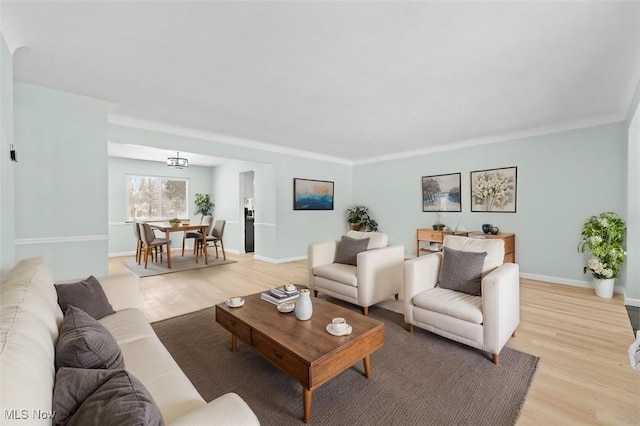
(158, 198)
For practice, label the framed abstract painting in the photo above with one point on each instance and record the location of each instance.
(309, 194)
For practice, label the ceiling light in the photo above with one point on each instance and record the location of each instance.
(177, 162)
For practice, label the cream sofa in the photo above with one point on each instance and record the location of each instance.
(377, 276)
(30, 319)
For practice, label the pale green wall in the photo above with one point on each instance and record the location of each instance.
(61, 180)
(292, 230)
(7, 167)
(633, 198)
(121, 237)
(563, 178)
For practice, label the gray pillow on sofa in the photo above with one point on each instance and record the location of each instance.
(87, 295)
(85, 343)
(84, 397)
(462, 271)
(348, 249)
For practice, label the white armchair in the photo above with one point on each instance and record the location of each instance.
(485, 322)
(377, 276)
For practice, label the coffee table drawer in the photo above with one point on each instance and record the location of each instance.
(235, 326)
(281, 357)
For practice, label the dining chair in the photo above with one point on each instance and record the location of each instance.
(136, 232)
(216, 237)
(151, 242)
(197, 236)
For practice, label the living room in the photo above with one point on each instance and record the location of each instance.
(59, 198)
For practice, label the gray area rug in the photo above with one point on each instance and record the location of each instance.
(178, 264)
(417, 379)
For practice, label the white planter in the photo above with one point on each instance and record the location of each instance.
(604, 288)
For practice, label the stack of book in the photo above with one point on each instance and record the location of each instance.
(279, 294)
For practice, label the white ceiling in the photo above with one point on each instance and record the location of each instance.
(353, 81)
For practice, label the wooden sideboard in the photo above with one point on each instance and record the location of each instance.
(429, 237)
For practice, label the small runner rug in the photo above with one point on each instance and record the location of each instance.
(417, 378)
(178, 264)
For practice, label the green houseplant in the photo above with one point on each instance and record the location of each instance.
(359, 219)
(603, 236)
(204, 205)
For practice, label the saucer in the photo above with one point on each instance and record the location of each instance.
(228, 303)
(344, 333)
(286, 307)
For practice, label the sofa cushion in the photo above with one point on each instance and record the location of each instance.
(493, 247)
(346, 274)
(451, 303)
(376, 239)
(462, 271)
(82, 397)
(87, 295)
(348, 249)
(85, 343)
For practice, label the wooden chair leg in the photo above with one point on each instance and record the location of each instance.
(224, 255)
(146, 257)
(183, 241)
(495, 358)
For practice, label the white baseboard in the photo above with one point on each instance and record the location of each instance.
(631, 302)
(565, 281)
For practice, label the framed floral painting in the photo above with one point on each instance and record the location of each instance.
(494, 190)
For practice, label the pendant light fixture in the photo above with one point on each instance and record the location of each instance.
(178, 162)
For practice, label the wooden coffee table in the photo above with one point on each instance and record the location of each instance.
(303, 349)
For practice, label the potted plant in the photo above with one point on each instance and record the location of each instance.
(359, 219)
(603, 237)
(204, 206)
(175, 222)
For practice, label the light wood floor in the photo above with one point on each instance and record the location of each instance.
(583, 377)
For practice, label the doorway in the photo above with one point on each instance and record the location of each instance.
(247, 209)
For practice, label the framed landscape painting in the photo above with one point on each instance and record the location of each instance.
(311, 194)
(441, 193)
(494, 190)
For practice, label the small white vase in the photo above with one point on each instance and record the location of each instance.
(604, 288)
(304, 308)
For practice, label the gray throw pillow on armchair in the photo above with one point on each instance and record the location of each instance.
(348, 249)
(462, 271)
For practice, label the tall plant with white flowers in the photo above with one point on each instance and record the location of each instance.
(603, 236)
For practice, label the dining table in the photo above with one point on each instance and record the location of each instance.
(168, 228)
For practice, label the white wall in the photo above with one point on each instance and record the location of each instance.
(7, 167)
(121, 237)
(563, 178)
(61, 180)
(632, 291)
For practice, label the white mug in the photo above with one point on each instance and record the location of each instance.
(339, 325)
(234, 301)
